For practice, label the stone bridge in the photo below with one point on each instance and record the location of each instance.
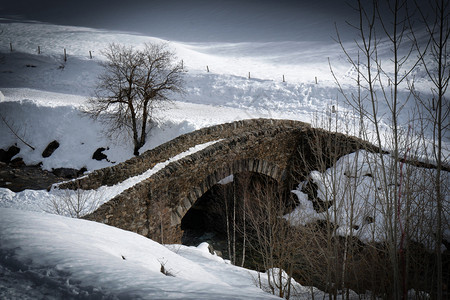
(284, 150)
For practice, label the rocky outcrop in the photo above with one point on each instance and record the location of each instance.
(99, 155)
(68, 173)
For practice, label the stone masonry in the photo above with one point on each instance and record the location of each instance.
(282, 149)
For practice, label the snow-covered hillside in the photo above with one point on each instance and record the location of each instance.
(245, 80)
(38, 84)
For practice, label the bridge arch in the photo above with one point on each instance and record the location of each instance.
(258, 166)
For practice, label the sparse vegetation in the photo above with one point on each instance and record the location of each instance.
(72, 203)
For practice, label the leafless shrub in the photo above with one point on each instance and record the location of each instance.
(72, 203)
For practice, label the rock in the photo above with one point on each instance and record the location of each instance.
(38, 165)
(68, 173)
(368, 220)
(17, 162)
(5, 156)
(214, 251)
(310, 188)
(81, 171)
(50, 149)
(99, 155)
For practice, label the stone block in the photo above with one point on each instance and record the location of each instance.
(175, 219)
(186, 203)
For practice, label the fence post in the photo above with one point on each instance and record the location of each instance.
(65, 55)
(283, 79)
(207, 69)
(39, 49)
(248, 75)
(316, 79)
(90, 54)
(10, 47)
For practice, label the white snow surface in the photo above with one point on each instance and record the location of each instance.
(44, 255)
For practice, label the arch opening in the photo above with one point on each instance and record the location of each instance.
(219, 215)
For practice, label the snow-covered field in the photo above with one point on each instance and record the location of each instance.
(52, 257)
(39, 84)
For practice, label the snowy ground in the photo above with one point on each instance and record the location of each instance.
(57, 257)
(48, 256)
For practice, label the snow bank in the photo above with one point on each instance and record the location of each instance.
(62, 257)
(354, 186)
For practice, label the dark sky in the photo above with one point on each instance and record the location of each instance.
(193, 21)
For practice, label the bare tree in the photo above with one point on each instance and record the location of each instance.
(2, 58)
(15, 131)
(133, 85)
(436, 109)
(270, 236)
(233, 197)
(387, 26)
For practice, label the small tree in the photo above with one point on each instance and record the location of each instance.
(386, 28)
(133, 85)
(270, 237)
(436, 110)
(73, 203)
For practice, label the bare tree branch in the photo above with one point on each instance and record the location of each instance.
(15, 132)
